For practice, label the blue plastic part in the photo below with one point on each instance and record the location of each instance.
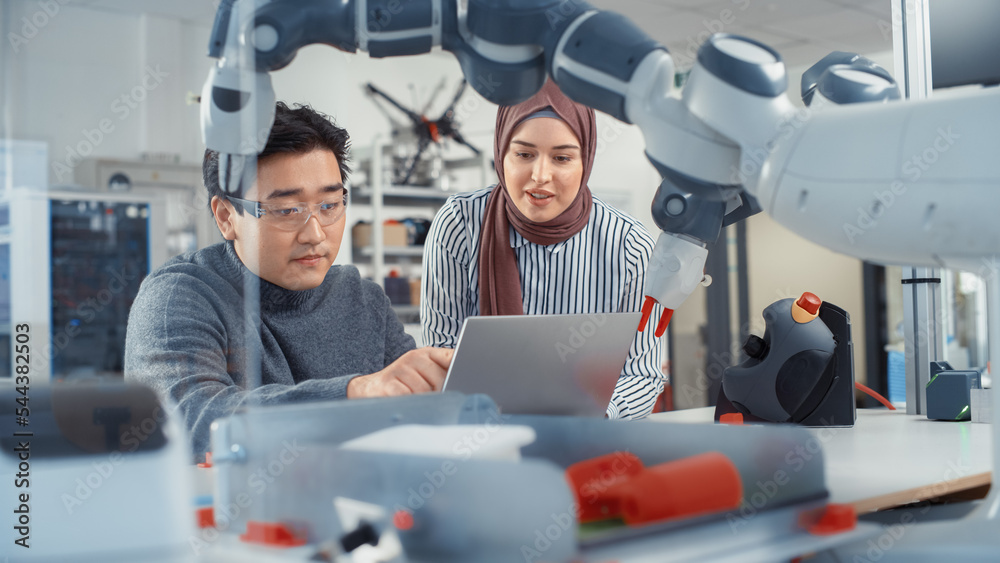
(896, 368)
(203, 500)
(811, 77)
(305, 22)
(523, 22)
(841, 90)
(749, 206)
(767, 79)
(610, 43)
(500, 83)
(949, 395)
(229, 100)
(400, 47)
(397, 15)
(220, 29)
(700, 217)
(590, 94)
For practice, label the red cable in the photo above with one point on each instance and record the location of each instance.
(875, 395)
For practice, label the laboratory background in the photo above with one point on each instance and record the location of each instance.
(101, 152)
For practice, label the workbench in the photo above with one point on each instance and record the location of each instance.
(890, 458)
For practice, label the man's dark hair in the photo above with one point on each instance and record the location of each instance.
(299, 131)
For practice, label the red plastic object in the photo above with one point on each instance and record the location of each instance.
(692, 486)
(661, 327)
(647, 309)
(273, 534)
(731, 418)
(205, 517)
(810, 303)
(836, 519)
(593, 479)
(403, 520)
(432, 128)
(208, 461)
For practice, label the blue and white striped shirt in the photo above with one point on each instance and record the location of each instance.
(601, 269)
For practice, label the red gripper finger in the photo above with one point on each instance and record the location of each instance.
(661, 327)
(647, 309)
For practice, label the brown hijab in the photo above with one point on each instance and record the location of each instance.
(499, 283)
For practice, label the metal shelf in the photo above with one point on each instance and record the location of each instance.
(404, 192)
(368, 251)
(378, 191)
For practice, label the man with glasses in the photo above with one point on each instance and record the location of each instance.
(198, 335)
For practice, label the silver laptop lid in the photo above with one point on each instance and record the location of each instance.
(543, 364)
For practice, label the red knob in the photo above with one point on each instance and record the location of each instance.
(403, 520)
(810, 303)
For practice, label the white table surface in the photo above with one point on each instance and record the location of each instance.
(890, 458)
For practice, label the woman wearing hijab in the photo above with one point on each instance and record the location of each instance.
(540, 243)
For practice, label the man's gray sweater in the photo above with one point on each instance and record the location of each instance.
(191, 338)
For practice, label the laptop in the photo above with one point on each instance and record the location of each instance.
(543, 364)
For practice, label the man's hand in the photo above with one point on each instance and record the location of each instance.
(418, 371)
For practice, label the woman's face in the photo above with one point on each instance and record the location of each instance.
(543, 168)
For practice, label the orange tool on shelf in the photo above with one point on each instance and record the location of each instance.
(618, 486)
(835, 519)
(274, 534)
(693, 486)
(208, 461)
(735, 418)
(205, 516)
(592, 478)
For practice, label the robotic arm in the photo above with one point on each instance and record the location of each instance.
(506, 50)
(731, 145)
